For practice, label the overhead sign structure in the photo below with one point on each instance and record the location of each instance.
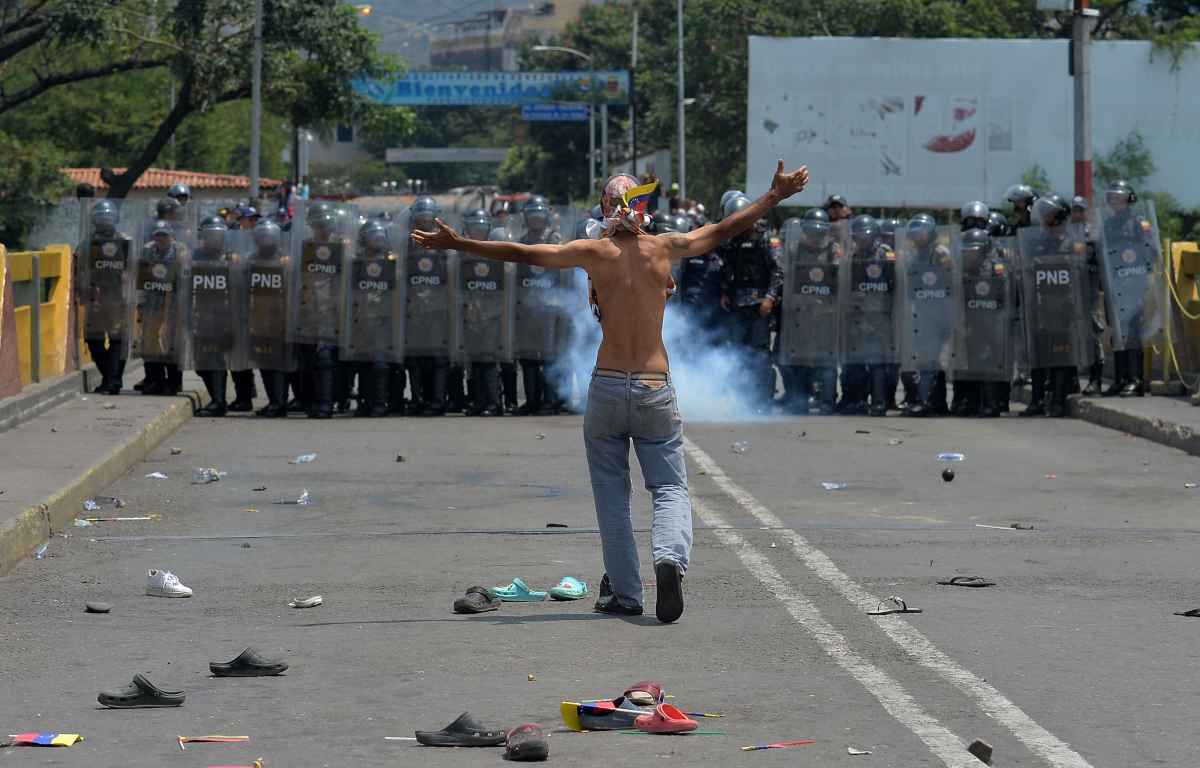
(494, 89)
(445, 155)
(554, 113)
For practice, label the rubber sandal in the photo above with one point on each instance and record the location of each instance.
(526, 743)
(967, 581)
(141, 693)
(306, 602)
(570, 588)
(249, 663)
(518, 592)
(645, 693)
(463, 732)
(666, 718)
(1192, 614)
(615, 715)
(892, 605)
(476, 600)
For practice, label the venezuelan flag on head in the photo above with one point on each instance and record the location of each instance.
(638, 198)
(45, 739)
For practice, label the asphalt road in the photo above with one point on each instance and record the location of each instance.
(1074, 658)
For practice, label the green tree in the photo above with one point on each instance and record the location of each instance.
(29, 185)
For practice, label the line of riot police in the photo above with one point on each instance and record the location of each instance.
(339, 297)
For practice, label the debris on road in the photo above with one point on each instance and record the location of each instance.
(400, 458)
(894, 441)
(834, 486)
(97, 607)
(557, 525)
(306, 602)
(1189, 485)
(165, 584)
(250, 509)
(948, 475)
(1051, 477)
(1021, 527)
(857, 751)
(477, 600)
(249, 663)
(893, 604)
(80, 523)
(465, 731)
(156, 476)
(141, 693)
(303, 458)
(90, 505)
(518, 591)
(982, 750)
(951, 457)
(44, 739)
(303, 500)
(967, 581)
(540, 435)
(109, 406)
(115, 501)
(176, 451)
(526, 743)
(40, 554)
(203, 475)
(531, 678)
(780, 745)
(216, 739)
(741, 446)
(84, 522)
(862, 431)
(772, 545)
(1192, 614)
(259, 488)
(666, 719)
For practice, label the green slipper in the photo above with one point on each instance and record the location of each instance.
(518, 592)
(570, 588)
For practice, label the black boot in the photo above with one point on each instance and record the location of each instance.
(533, 388)
(436, 376)
(1061, 385)
(508, 376)
(879, 382)
(1119, 375)
(1095, 380)
(1134, 386)
(397, 380)
(1037, 401)
(275, 386)
(989, 395)
(243, 392)
(117, 375)
(215, 383)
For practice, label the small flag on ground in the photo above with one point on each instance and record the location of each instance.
(45, 739)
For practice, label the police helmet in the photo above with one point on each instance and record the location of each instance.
(664, 224)
(166, 208)
(973, 215)
(683, 224)
(1051, 210)
(373, 235)
(997, 224)
(248, 212)
(922, 228)
(537, 199)
(1020, 195)
(728, 194)
(865, 230)
(212, 232)
(424, 210)
(105, 215)
(1079, 203)
(267, 234)
(477, 224)
(536, 213)
(815, 226)
(499, 233)
(161, 228)
(179, 192)
(888, 229)
(733, 205)
(976, 239)
(1120, 189)
(320, 213)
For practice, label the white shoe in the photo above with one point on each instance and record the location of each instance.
(165, 584)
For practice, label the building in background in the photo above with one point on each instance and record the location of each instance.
(492, 40)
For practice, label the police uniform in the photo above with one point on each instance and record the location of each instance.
(752, 272)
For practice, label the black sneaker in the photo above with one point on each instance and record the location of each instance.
(668, 607)
(607, 602)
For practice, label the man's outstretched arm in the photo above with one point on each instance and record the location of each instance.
(572, 254)
(708, 237)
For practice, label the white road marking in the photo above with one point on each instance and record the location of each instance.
(890, 694)
(993, 703)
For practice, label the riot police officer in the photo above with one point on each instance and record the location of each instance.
(158, 322)
(887, 231)
(698, 284)
(372, 341)
(180, 193)
(1132, 283)
(837, 208)
(973, 215)
(1094, 295)
(751, 282)
(869, 352)
(105, 261)
(427, 325)
(927, 320)
(271, 306)
(323, 253)
(1021, 197)
(806, 347)
(213, 312)
(536, 327)
(888, 228)
(982, 334)
(484, 324)
(997, 225)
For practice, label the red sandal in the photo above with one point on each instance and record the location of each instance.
(666, 718)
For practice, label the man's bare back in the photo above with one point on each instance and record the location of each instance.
(630, 271)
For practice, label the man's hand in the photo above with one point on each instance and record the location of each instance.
(784, 185)
(444, 239)
(766, 307)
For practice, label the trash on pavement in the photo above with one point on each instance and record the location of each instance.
(741, 446)
(215, 739)
(948, 475)
(258, 488)
(1021, 527)
(306, 602)
(399, 738)
(40, 554)
(773, 545)
(79, 523)
(780, 745)
(994, 527)
(400, 458)
(84, 522)
(90, 505)
(97, 607)
(862, 431)
(44, 739)
(156, 476)
(540, 435)
(834, 486)
(1189, 485)
(250, 509)
(203, 475)
(857, 751)
(557, 525)
(109, 406)
(894, 441)
(982, 750)
(966, 581)
(951, 457)
(115, 501)
(531, 678)
(890, 605)
(176, 451)
(1051, 477)
(256, 764)
(303, 500)
(304, 458)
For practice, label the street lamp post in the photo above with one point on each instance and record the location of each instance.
(591, 109)
(679, 106)
(256, 101)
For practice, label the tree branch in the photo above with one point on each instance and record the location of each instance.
(31, 38)
(23, 21)
(1107, 14)
(120, 184)
(45, 84)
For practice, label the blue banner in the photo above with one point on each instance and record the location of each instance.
(491, 89)
(554, 113)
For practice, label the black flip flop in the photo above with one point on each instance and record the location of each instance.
(141, 693)
(249, 663)
(477, 600)
(892, 605)
(526, 743)
(1192, 614)
(466, 731)
(967, 581)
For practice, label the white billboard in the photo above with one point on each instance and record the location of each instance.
(935, 123)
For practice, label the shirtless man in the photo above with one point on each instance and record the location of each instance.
(631, 396)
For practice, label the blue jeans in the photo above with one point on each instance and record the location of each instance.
(644, 411)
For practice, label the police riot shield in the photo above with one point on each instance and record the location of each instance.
(808, 328)
(1131, 273)
(160, 271)
(272, 301)
(105, 274)
(983, 310)
(322, 251)
(1053, 269)
(431, 278)
(867, 298)
(374, 328)
(572, 303)
(484, 296)
(925, 279)
(217, 308)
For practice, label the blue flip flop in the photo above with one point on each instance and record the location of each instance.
(570, 588)
(518, 592)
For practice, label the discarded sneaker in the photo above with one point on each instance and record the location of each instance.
(165, 584)
(607, 602)
(645, 693)
(967, 581)
(616, 715)
(668, 607)
(141, 693)
(249, 663)
(477, 600)
(526, 743)
(570, 588)
(97, 607)
(306, 602)
(466, 731)
(518, 592)
(666, 718)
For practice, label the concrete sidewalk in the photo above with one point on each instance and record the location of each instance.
(1170, 421)
(51, 463)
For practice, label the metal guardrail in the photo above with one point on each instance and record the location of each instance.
(41, 306)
